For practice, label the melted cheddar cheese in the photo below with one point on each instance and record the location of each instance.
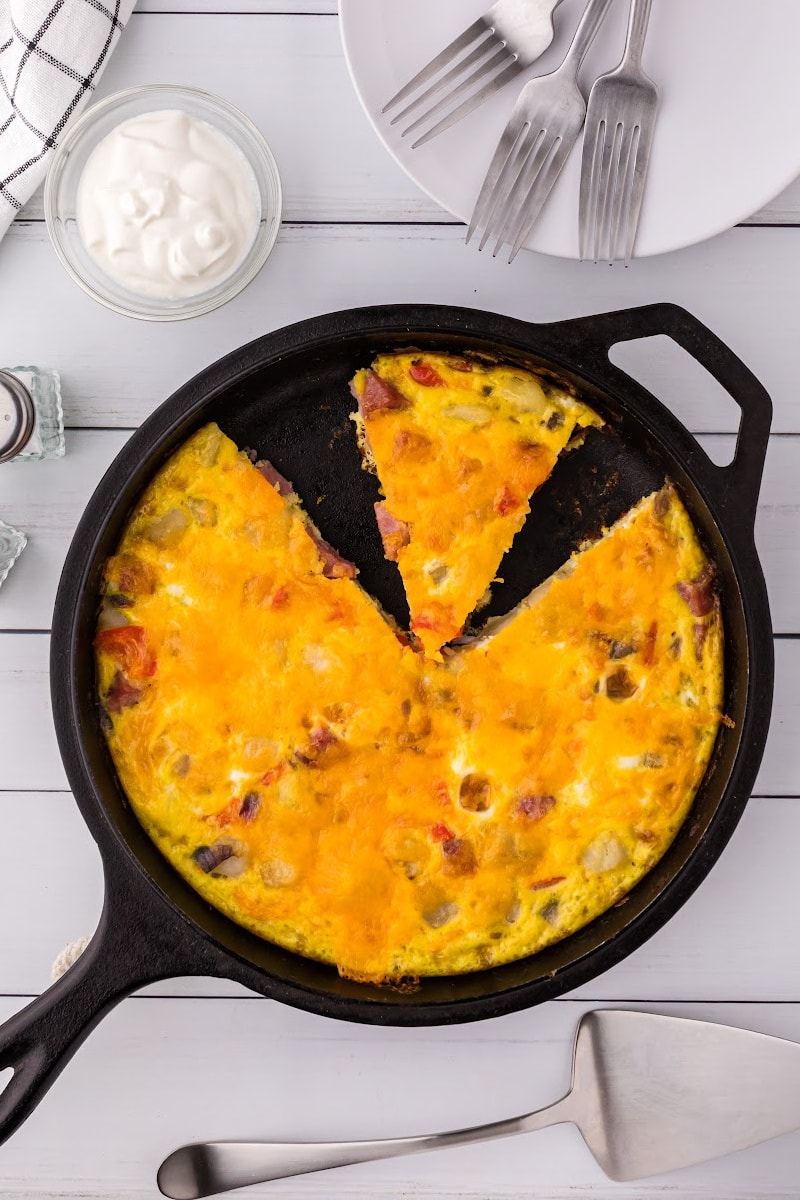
(335, 791)
(459, 446)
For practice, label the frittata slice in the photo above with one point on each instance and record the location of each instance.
(459, 446)
(588, 721)
(240, 669)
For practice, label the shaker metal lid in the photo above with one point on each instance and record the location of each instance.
(17, 416)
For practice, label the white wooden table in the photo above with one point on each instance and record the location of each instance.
(189, 1060)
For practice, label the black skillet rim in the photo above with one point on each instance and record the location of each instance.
(557, 345)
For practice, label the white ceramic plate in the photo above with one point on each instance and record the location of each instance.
(727, 138)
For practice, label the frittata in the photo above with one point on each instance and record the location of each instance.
(459, 445)
(323, 783)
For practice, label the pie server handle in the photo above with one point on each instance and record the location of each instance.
(207, 1168)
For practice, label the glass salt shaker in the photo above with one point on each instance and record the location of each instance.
(31, 427)
(12, 543)
(31, 417)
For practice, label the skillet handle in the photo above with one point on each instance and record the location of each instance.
(591, 338)
(39, 1041)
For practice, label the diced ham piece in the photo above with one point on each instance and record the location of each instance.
(379, 394)
(699, 593)
(334, 566)
(322, 738)
(506, 501)
(122, 693)
(535, 807)
(394, 534)
(278, 481)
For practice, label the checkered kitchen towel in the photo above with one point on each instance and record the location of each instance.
(52, 53)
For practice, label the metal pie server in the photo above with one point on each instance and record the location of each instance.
(649, 1094)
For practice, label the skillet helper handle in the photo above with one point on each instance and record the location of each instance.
(738, 484)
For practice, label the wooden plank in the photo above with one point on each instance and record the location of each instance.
(159, 1073)
(718, 947)
(46, 500)
(116, 370)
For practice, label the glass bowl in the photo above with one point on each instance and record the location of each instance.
(70, 158)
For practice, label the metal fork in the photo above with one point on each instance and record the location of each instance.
(535, 145)
(503, 42)
(620, 122)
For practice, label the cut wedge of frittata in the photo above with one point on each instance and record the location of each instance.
(459, 445)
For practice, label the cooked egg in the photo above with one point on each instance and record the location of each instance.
(330, 788)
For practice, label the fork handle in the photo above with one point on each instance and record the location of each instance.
(590, 22)
(637, 31)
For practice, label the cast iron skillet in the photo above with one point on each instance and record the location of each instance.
(286, 396)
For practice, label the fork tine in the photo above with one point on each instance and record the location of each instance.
(485, 204)
(467, 106)
(463, 65)
(528, 170)
(589, 190)
(640, 165)
(622, 189)
(506, 188)
(545, 180)
(499, 59)
(605, 192)
(440, 61)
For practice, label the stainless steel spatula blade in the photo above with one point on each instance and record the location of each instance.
(653, 1093)
(649, 1094)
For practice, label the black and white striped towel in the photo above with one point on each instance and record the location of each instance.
(52, 53)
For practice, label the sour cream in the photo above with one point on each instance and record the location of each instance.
(167, 205)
